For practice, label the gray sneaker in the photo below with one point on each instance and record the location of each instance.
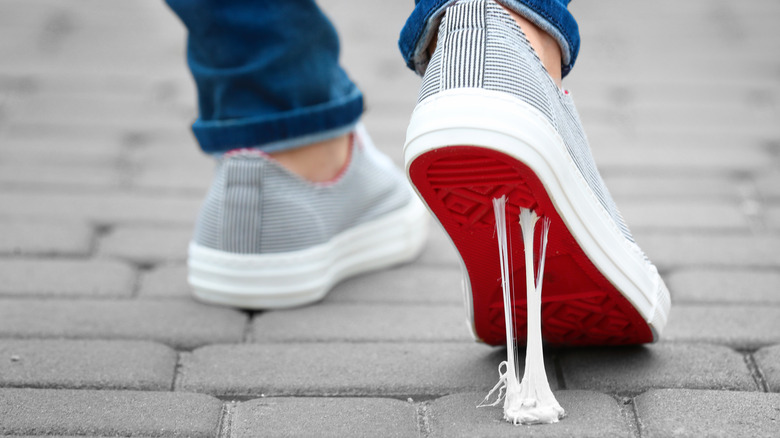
(490, 122)
(265, 238)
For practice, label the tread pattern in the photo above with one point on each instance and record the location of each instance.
(466, 186)
(579, 305)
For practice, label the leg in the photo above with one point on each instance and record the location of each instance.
(267, 74)
(281, 117)
(491, 121)
(550, 17)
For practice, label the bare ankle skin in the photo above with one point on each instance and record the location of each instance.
(317, 162)
(543, 44)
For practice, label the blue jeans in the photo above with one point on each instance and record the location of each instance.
(267, 72)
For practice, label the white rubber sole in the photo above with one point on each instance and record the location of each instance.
(497, 121)
(281, 280)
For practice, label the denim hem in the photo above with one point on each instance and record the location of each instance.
(557, 21)
(281, 131)
(417, 33)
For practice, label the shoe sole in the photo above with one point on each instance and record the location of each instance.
(282, 280)
(467, 146)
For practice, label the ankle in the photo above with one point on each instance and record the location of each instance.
(545, 46)
(317, 162)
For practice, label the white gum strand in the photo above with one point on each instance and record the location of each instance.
(530, 401)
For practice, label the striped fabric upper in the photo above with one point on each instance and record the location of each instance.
(255, 206)
(481, 46)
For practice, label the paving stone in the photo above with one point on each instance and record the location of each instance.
(344, 369)
(325, 417)
(147, 244)
(44, 238)
(71, 34)
(75, 145)
(768, 360)
(22, 151)
(665, 365)
(107, 413)
(182, 324)
(633, 186)
(684, 214)
(711, 249)
(655, 94)
(61, 277)
(175, 147)
(193, 174)
(439, 250)
(694, 158)
(738, 286)
(604, 138)
(95, 110)
(165, 281)
(695, 413)
(35, 363)
(741, 327)
(116, 207)
(588, 414)
(55, 176)
(772, 217)
(405, 284)
(769, 184)
(363, 322)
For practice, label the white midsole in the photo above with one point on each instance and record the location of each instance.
(279, 280)
(498, 121)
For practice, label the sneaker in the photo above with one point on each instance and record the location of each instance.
(490, 122)
(266, 238)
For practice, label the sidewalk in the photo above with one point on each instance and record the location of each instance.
(100, 182)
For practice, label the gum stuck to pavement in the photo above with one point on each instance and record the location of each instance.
(530, 401)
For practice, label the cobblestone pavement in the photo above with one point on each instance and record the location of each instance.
(100, 182)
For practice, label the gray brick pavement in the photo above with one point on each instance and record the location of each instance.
(716, 249)
(165, 281)
(742, 327)
(439, 251)
(181, 324)
(363, 322)
(737, 286)
(768, 361)
(27, 277)
(588, 414)
(692, 413)
(684, 215)
(327, 417)
(664, 365)
(25, 237)
(107, 413)
(409, 283)
(100, 182)
(134, 365)
(696, 159)
(103, 208)
(635, 186)
(147, 244)
(769, 184)
(345, 369)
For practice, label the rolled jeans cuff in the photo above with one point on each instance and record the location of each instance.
(283, 130)
(551, 16)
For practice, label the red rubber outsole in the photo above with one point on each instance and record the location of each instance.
(579, 305)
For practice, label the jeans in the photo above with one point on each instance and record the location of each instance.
(267, 72)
